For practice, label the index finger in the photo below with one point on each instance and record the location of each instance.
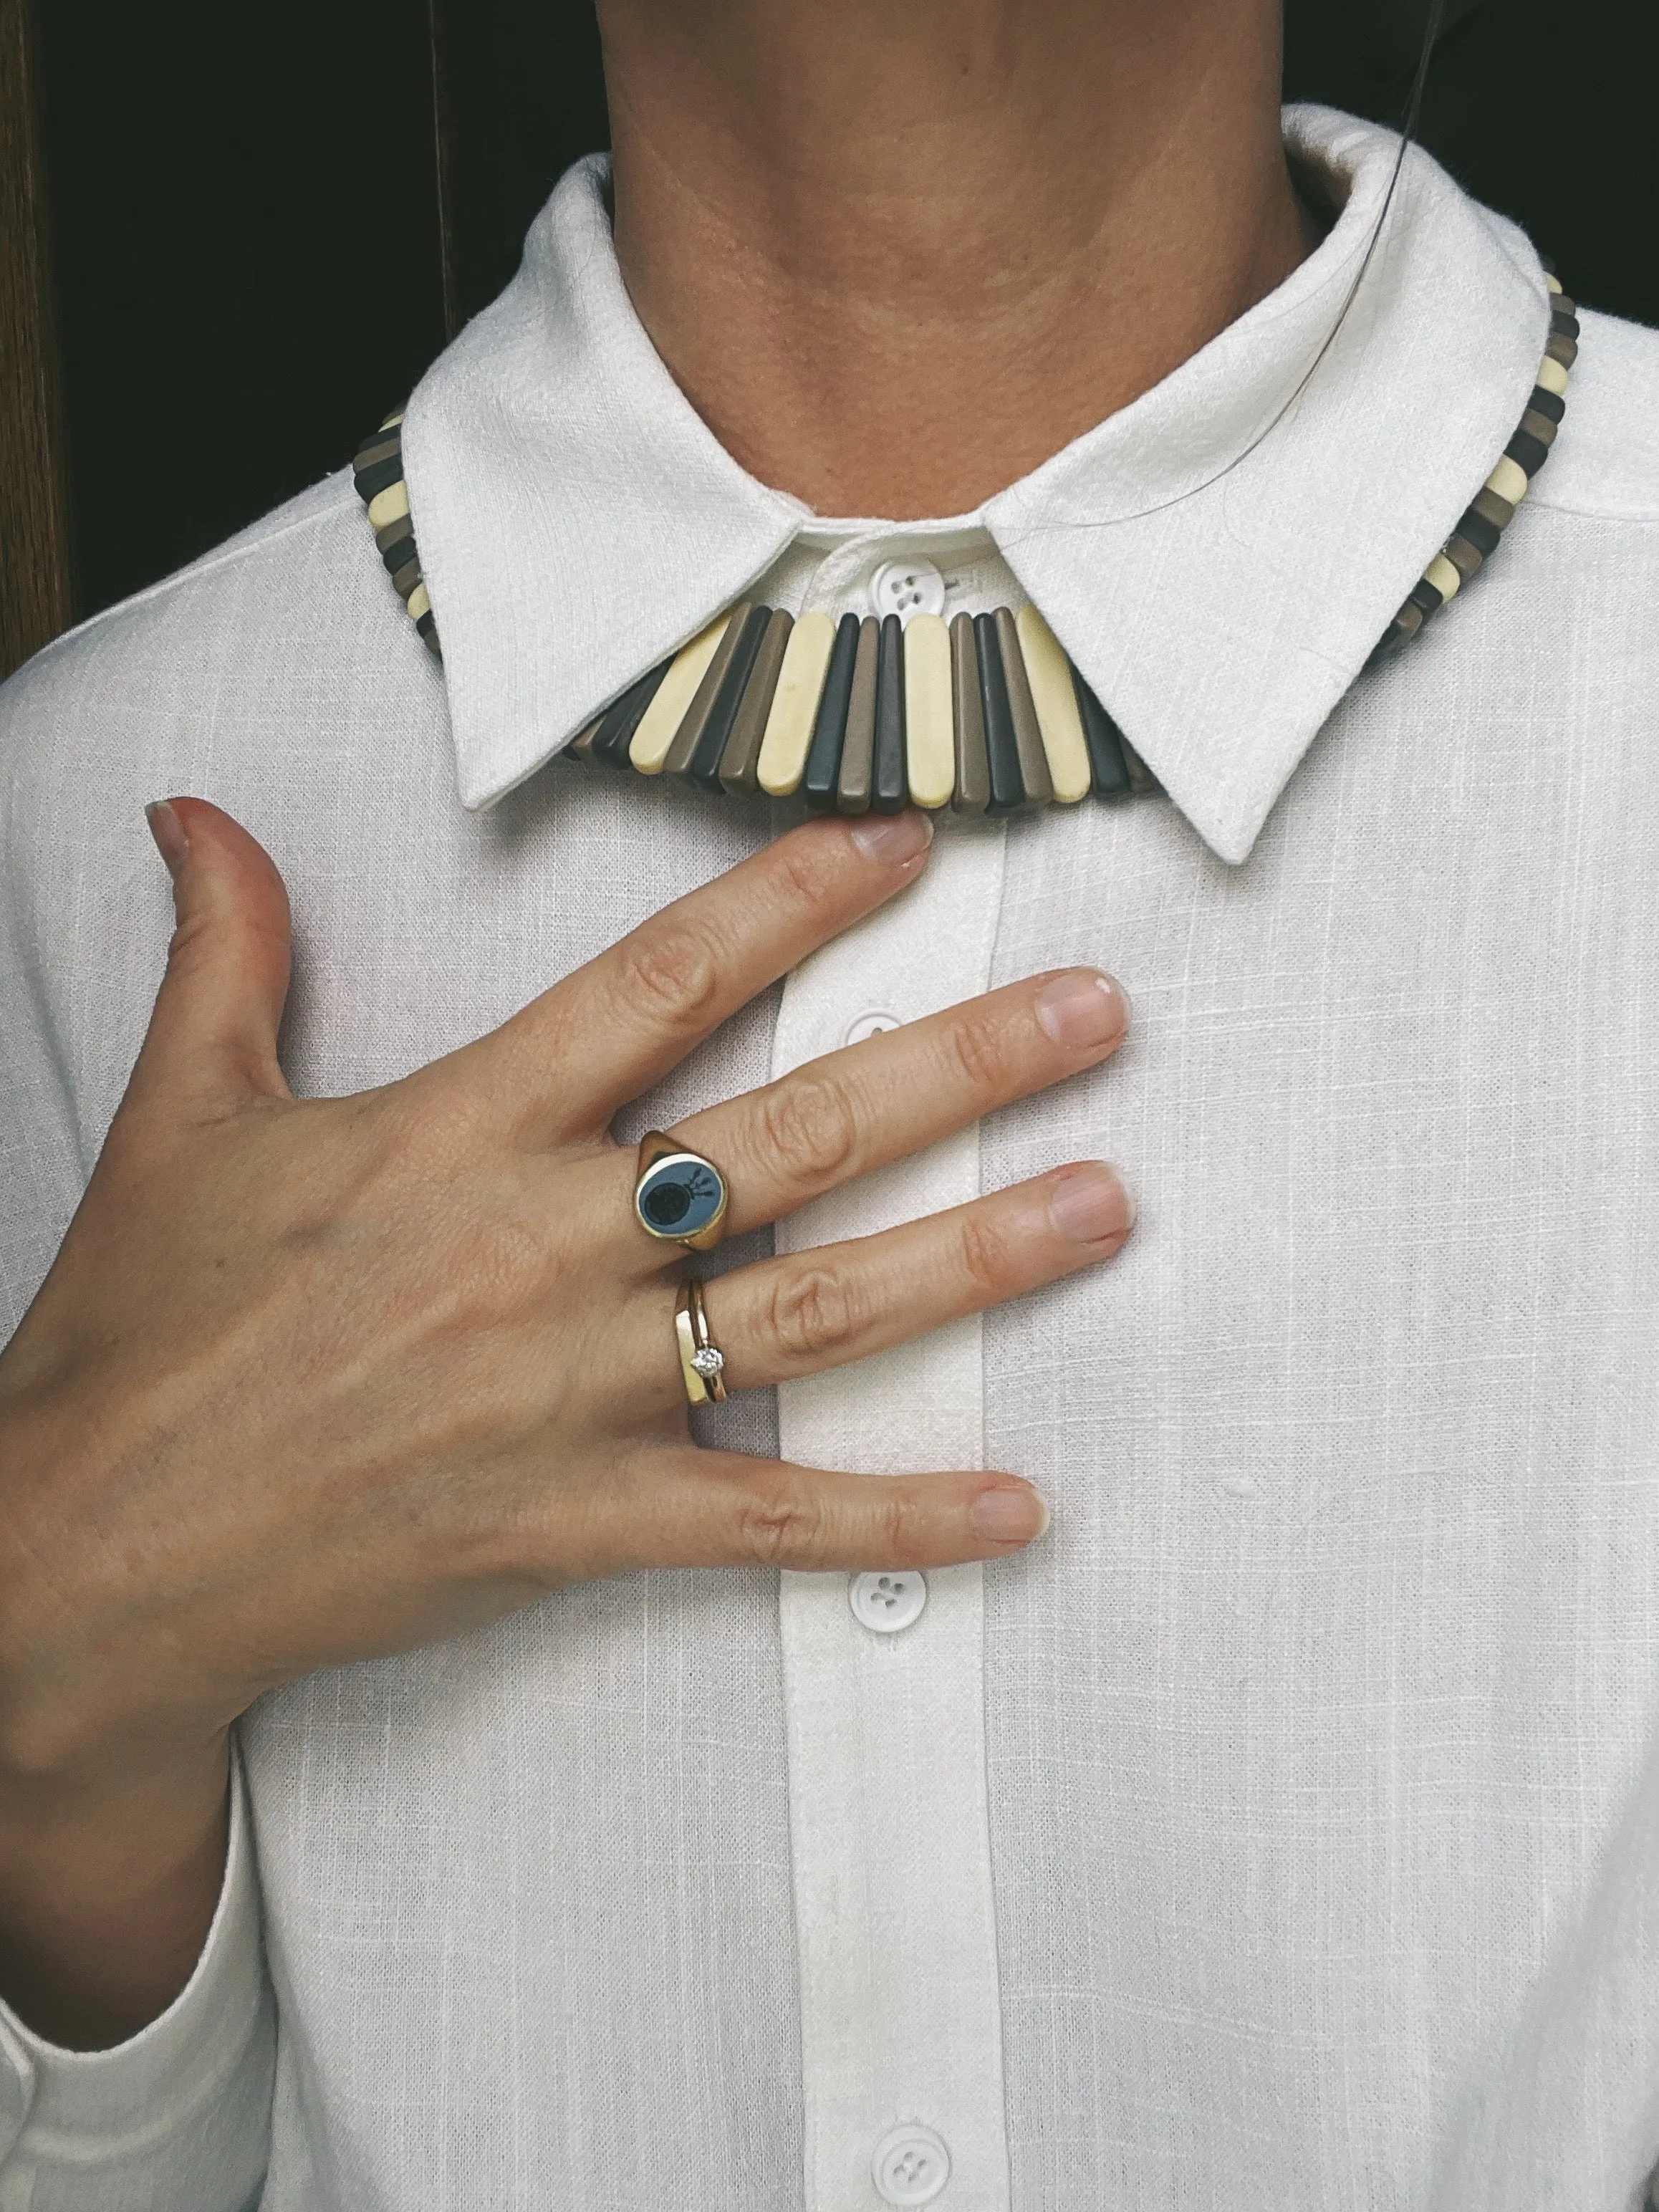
(617, 1026)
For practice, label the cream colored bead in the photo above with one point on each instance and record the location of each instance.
(1552, 376)
(1509, 481)
(390, 505)
(930, 744)
(1554, 282)
(794, 707)
(418, 602)
(1445, 579)
(648, 748)
(1053, 695)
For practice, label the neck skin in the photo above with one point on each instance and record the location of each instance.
(897, 255)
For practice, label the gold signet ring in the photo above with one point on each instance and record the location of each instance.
(679, 1195)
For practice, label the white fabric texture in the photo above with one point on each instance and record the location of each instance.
(1319, 1738)
(901, 2014)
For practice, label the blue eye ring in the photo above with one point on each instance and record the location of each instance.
(679, 1197)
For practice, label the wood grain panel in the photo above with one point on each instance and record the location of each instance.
(34, 561)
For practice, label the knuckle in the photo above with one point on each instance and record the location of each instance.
(813, 1317)
(805, 872)
(673, 971)
(782, 1528)
(811, 1129)
(898, 1530)
(983, 1251)
(980, 1043)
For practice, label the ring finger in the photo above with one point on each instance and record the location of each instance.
(797, 1315)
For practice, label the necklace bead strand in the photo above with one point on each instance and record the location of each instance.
(1492, 509)
(986, 714)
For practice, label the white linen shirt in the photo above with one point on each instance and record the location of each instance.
(1281, 1834)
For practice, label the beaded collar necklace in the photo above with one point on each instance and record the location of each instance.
(985, 716)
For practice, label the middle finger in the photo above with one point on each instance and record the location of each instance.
(854, 1110)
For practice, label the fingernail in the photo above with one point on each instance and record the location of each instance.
(168, 832)
(1083, 1009)
(1089, 1203)
(890, 838)
(1009, 1516)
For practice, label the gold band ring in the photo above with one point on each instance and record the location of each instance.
(701, 1358)
(679, 1197)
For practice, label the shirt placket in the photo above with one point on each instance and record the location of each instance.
(900, 2022)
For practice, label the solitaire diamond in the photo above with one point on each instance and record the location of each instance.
(707, 1361)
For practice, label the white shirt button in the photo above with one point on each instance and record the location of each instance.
(906, 587)
(910, 2165)
(888, 1602)
(869, 1025)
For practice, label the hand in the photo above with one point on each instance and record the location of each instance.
(314, 1380)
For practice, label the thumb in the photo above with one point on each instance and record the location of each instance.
(213, 1034)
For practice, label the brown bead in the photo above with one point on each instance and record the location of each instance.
(973, 791)
(405, 580)
(1493, 507)
(740, 761)
(1463, 556)
(858, 750)
(581, 748)
(1141, 779)
(703, 698)
(381, 449)
(1539, 426)
(1563, 349)
(1409, 620)
(1033, 775)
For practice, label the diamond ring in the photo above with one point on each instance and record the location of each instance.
(702, 1361)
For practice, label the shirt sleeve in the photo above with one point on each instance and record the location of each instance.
(178, 2120)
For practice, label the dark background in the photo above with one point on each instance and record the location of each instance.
(262, 221)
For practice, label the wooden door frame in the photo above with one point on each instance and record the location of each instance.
(36, 591)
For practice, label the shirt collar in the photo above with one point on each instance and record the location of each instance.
(1220, 588)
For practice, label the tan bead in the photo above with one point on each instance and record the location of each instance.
(1554, 282)
(1509, 481)
(661, 722)
(1055, 697)
(1443, 576)
(1554, 378)
(930, 750)
(795, 706)
(388, 505)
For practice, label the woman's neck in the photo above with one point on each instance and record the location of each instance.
(897, 255)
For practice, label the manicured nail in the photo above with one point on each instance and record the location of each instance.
(1087, 1204)
(168, 832)
(1083, 1009)
(1009, 1516)
(890, 838)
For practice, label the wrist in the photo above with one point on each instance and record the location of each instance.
(108, 1878)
